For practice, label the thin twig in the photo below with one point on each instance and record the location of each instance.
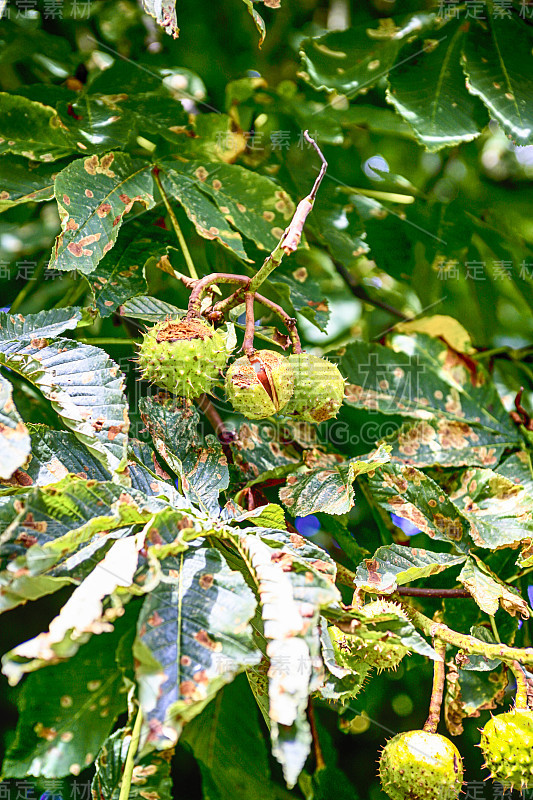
(248, 343)
(175, 225)
(361, 293)
(293, 234)
(520, 699)
(130, 758)
(415, 591)
(317, 750)
(437, 691)
(200, 287)
(224, 435)
(438, 630)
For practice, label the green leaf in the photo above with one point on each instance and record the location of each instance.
(148, 308)
(412, 495)
(258, 19)
(354, 59)
(164, 12)
(202, 467)
(499, 511)
(55, 454)
(93, 195)
(151, 773)
(193, 637)
(209, 222)
(427, 87)
(490, 592)
(422, 378)
(231, 765)
(44, 324)
(23, 181)
(15, 441)
(66, 712)
(33, 130)
(82, 615)
(84, 386)
(328, 487)
(252, 203)
(395, 565)
(496, 53)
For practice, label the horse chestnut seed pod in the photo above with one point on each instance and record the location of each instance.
(418, 765)
(318, 388)
(260, 384)
(507, 744)
(183, 356)
(376, 651)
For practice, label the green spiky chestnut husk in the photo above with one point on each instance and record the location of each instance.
(375, 652)
(259, 385)
(318, 388)
(418, 765)
(183, 356)
(507, 744)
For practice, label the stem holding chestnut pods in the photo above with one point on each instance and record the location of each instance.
(246, 290)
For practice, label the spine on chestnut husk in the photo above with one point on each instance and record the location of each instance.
(183, 356)
(259, 384)
(318, 388)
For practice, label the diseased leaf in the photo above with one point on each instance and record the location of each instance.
(93, 195)
(422, 378)
(23, 181)
(55, 454)
(295, 581)
(412, 495)
(45, 324)
(84, 386)
(66, 711)
(499, 511)
(328, 487)
(164, 12)
(469, 693)
(257, 452)
(150, 777)
(33, 130)
(496, 53)
(427, 88)
(202, 467)
(394, 565)
(251, 202)
(81, 616)
(258, 19)
(193, 637)
(15, 443)
(209, 222)
(444, 443)
(489, 591)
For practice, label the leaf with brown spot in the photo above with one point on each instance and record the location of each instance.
(85, 388)
(395, 565)
(57, 698)
(203, 641)
(108, 177)
(15, 441)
